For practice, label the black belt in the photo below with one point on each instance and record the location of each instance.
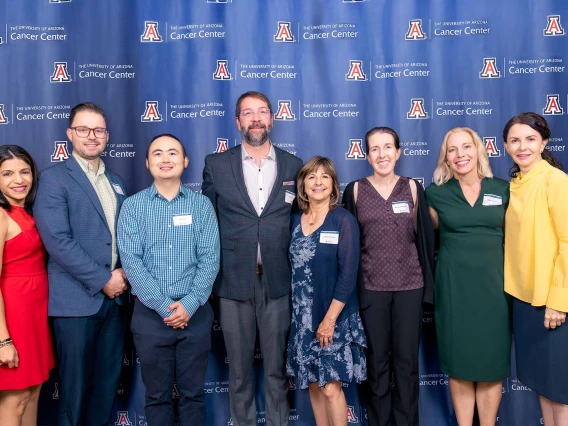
(259, 269)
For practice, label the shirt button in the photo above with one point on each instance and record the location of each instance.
(169, 207)
(170, 246)
(171, 287)
(170, 267)
(169, 226)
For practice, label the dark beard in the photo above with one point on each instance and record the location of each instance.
(258, 141)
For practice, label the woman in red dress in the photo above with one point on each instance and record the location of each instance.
(25, 344)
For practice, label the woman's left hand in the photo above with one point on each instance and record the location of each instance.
(324, 332)
(553, 318)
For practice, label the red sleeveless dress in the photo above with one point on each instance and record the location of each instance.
(24, 288)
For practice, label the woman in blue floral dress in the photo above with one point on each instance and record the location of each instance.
(326, 337)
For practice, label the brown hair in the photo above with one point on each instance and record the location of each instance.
(251, 94)
(536, 122)
(86, 106)
(311, 166)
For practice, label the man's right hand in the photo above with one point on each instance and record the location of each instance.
(116, 285)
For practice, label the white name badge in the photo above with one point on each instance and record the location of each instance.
(117, 189)
(329, 237)
(492, 200)
(183, 219)
(289, 197)
(400, 207)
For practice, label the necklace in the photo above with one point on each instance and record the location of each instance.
(311, 219)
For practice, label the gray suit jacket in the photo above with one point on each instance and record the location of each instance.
(241, 228)
(73, 227)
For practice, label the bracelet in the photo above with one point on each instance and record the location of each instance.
(6, 343)
(6, 340)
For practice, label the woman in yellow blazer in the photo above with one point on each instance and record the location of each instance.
(536, 263)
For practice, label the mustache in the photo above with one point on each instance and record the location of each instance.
(257, 126)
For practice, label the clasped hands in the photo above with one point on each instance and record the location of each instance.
(179, 318)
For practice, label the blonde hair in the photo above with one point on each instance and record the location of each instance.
(311, 166)
(444, 173)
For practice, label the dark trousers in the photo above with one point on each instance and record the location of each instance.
(89, 351)
(239, 322)
(392, 324)
(167, 355)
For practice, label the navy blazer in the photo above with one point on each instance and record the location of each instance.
(73, 227)
(241, 228)
(335, 265)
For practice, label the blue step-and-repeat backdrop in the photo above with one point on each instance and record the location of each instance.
(332, 69)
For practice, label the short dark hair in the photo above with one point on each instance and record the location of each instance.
(164, 135)
(536, 122)
(251, 94)
(86, 106)
(311, 166)
(9, 152)
(387, 130)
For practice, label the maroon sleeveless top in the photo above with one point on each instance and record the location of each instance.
(388, 246)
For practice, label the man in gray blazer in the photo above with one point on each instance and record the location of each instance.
(76, 211)
(253, 187)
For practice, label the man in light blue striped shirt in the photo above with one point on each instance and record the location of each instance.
(168, 240)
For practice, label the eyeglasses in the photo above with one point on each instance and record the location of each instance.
(84, 132)
(249, 113)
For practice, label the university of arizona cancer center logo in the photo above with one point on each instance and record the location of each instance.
(490, 69)
(284, 33)
(553, 106)
(151, 33)
(60, 73)
(417, 110)
(222, 70)
(151, 112)
(284, 112)
(355, 72)
(3, 118)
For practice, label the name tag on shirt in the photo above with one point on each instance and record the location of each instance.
(329, 237)
(492, 200)
(182, 219)
(288, 183)
(117, 189)
(400, 207)
(289, 197)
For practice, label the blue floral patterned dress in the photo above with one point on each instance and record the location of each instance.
(344, 360)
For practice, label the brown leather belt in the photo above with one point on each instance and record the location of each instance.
(259, 269)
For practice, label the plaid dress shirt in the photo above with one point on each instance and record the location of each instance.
(169, 250)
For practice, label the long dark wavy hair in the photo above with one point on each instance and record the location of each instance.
(536, 122)
(9, 152)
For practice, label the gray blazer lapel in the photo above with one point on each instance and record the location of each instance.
(77, 173)
(237, 165)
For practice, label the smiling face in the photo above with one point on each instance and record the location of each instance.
(16, 180)
(165, 159)
(383, 153)
(318, 185)
(89, 147)
(525, 146)
(255, 121)
(461, 154)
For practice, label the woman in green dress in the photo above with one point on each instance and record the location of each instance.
(472, 311)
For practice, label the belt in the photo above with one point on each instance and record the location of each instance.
(259, 269)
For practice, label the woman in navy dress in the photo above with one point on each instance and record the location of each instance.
(326, 337)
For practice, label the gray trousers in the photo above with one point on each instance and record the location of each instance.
(239, 322)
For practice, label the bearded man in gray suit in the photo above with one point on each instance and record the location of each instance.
(253, 188)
